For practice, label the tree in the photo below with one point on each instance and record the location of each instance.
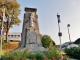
(77, 41)
(11, 13)
(47, 41)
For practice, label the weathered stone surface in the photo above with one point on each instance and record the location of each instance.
(30, 31)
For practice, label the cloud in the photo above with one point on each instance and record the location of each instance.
(73, 3)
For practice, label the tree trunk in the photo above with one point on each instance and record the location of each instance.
(7, 31)
(7, 36)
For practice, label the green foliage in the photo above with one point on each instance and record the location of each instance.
(11, 14)
(77, 41)
(5, 43)
(2, 58)
(52, 52)
(73, 52)
(39, 55)
(18, 54)
(46, 41)
(79, 45)
(31, 56)
(11, 10)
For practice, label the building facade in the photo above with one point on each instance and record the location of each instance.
(13, 36)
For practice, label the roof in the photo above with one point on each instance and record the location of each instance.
(13, 33)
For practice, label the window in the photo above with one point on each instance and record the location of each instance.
(18, 35)
(11, 35)
(8, 35)
(15, 35)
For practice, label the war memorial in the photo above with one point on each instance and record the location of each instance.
(30, 37)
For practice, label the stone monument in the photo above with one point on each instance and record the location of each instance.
(30, 37)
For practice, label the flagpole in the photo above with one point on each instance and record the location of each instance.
(69, 33)
(59, 34)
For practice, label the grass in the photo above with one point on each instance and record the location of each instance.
(3, 52)
(9, 47)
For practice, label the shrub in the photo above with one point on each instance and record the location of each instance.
(65, 57)
(31, 56)
(2, 58)
(39, 55)
(18, 54)
(52, 52)
(46, 41)
(73, 52)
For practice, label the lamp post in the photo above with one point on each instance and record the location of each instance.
(69, 33)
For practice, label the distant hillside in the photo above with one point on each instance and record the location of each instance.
(65, 44)
(77, 41)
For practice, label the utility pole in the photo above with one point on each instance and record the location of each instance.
(3, 11)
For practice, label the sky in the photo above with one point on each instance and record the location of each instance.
(69, 11)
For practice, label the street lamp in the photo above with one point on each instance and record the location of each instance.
(69, 33)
